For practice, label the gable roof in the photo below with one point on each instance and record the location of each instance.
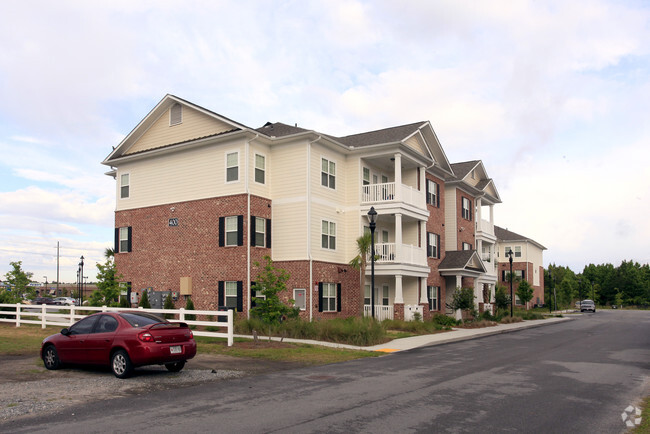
(504, 235)
(386, 135)
(278, 129)
(461, 260)
(484, 186)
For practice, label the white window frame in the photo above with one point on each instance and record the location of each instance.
(329, 297)
(432, 293)
(124, 238)
(304, 298)
(330, 177)
(328, 235)
(236, 166)
(230, 293)
(467, 246)
(433, 241)
(465, 205)
(366, 294)
(229, 230)
(517, 251)
(432, 198)
(122, 185)
(261, 170)
(365, 180)
(260, 230)
(385, 295)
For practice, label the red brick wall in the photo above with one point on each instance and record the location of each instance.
(528, 267)
(436, 224)
(466, 235)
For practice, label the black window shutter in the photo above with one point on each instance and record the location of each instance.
(338, 297)
(320, 296)
(268, 233)
(220, 295)
(253, 231)
(427, 193)
(253, 304)
(523, 274)
(503, 275)
(130, 232)
(470, 210)
(429, 247)
(117, 240)
(240, 296)
(437, 195)
(439, 247)
(240, 230)
(222, 231)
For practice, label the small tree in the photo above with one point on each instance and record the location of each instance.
(19, 280)
(189, 306)
(463, 299)
(501, 298)
(169, 304)
(525, 292)
(271, 282)
(144, 301)
(108, 285)
(360, 263)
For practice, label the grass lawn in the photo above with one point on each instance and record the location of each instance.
(26, 340)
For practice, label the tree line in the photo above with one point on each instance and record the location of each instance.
(627, 284)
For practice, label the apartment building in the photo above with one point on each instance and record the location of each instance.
(527, 262)
(201, 199)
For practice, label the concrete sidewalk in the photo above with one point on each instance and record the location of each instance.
(455, 335)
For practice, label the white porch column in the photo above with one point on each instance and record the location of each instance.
(479, 223)
(424, 297)
(399, 298)
(398, 177)
(398, 238)
(459, 281)
(492, 215)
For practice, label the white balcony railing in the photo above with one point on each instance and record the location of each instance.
(386, 253)
(386, 192)
(485, 226)
(381, 312)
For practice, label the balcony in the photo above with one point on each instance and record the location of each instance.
(385, 253)
(485, 227)
(390, 192)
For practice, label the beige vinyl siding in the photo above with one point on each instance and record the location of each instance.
(535, 255)
(198, 173)
(195, 124)
(263, 190)
(491, 190)
(415, 142)
(451, 226)
(287, 185)
(322, 211)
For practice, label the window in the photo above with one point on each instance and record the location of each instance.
(433, 245)
(124, 186)
(328, 235)
(433, 197)
(231, 231)
(434, 297)
(517, 251)
(123, 239)
(467, 246)
(384, 295)
(300, 298)
(467, 208)
(328, 173)
(106, 324)
(260, 168)
(329, 299)
(507, 249)
(232, 167)
(84, 326)
(261, 230)
(175, 114)
(366, 176)
(231, 295)
(366, 295)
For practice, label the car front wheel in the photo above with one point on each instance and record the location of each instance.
(121, 364)
(175, 367)
(51, 358)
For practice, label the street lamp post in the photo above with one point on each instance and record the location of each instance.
(81, 281)
(512, 300)
(45, 284)
(372, 218)
(550, 310)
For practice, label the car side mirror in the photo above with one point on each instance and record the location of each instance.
(65, 332)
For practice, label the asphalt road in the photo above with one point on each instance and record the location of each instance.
(575, 376)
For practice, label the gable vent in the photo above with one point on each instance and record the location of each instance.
(176, 114)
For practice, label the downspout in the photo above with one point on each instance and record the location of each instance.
(310, 287)
(248, 225)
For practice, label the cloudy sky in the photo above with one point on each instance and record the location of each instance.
(553, 96)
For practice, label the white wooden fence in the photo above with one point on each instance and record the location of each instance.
(62, 315)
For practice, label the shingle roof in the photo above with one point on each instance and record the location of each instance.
(386, 135)
(462, 169)
(506, 235)
(456, 259)
(279, 129)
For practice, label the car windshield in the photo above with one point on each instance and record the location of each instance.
(141, 319)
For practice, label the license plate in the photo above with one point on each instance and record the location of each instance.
(176, 349)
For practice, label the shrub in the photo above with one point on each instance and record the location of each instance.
(444, 320)
(511, 319)
(189, 306)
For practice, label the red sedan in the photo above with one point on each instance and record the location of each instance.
(121, 340)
